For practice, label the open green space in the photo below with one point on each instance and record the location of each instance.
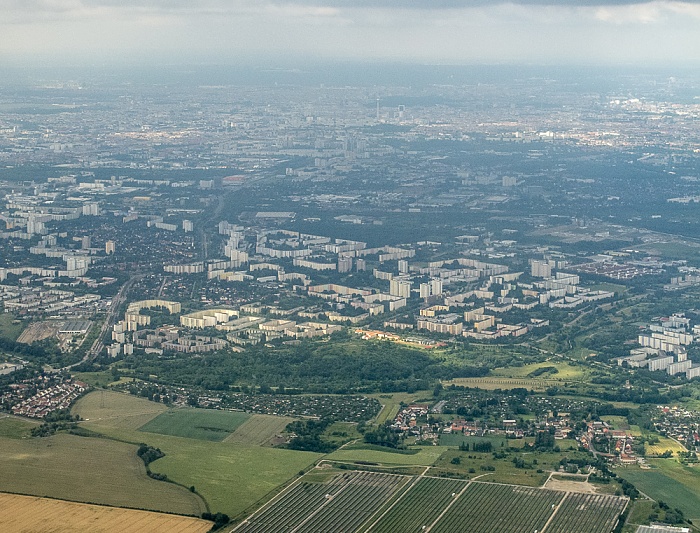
(559, 371)
(456, 439)
(611, 287)
(10, 327)
(391, 403)
(504, 464)
(88, 470)
(96, 379)
(231, 476)
(426, 456)
(672, 250)
(669, 481)
(15, 428)
(616, 422)
(202, 424)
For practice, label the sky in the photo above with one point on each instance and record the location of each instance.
(541, 32)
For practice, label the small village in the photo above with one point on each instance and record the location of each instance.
(36, 398)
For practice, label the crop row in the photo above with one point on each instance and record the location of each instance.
(587, 513)
(420, 506)
(353, 502)
(351, 507)
(502, 508)
(295, 506)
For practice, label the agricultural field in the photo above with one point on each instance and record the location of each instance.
(231, 476)
(29, 513)
(116, 411)
(383, 503)
(15, 428)
(504, 383)
(343, 503)
(419, 506)
(201, 424)
(481, 508)
(582, 513)
(669, 481)
(664, 444)
(259, 429)
(88, 470)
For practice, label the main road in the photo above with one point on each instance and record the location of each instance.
(109, 321)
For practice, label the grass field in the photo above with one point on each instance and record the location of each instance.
(675, 484)
(391, 403)
(117, 411)
(88, 470)
(612, 287)
(455, 439)
(231, 476)
(565, 372)
(617, 422)
(15, 428)
(259, 429)
(96, 379)
(29, 513)
(426, 456)
(9, 329)
(201, 424)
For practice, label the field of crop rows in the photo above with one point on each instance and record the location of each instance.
(341, 504)
(365, 502)
(580, 513)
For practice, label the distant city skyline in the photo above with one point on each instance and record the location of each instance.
(589, 32)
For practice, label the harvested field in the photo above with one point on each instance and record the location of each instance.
(259, 429)
(115, 410)
(27, 514)
(90, 470)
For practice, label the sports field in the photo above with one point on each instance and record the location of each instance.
(201, 424)
(29, 513)
(88, 470)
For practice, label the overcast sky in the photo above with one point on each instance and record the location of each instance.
(426, 31)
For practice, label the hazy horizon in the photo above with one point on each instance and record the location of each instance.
(453, 32)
